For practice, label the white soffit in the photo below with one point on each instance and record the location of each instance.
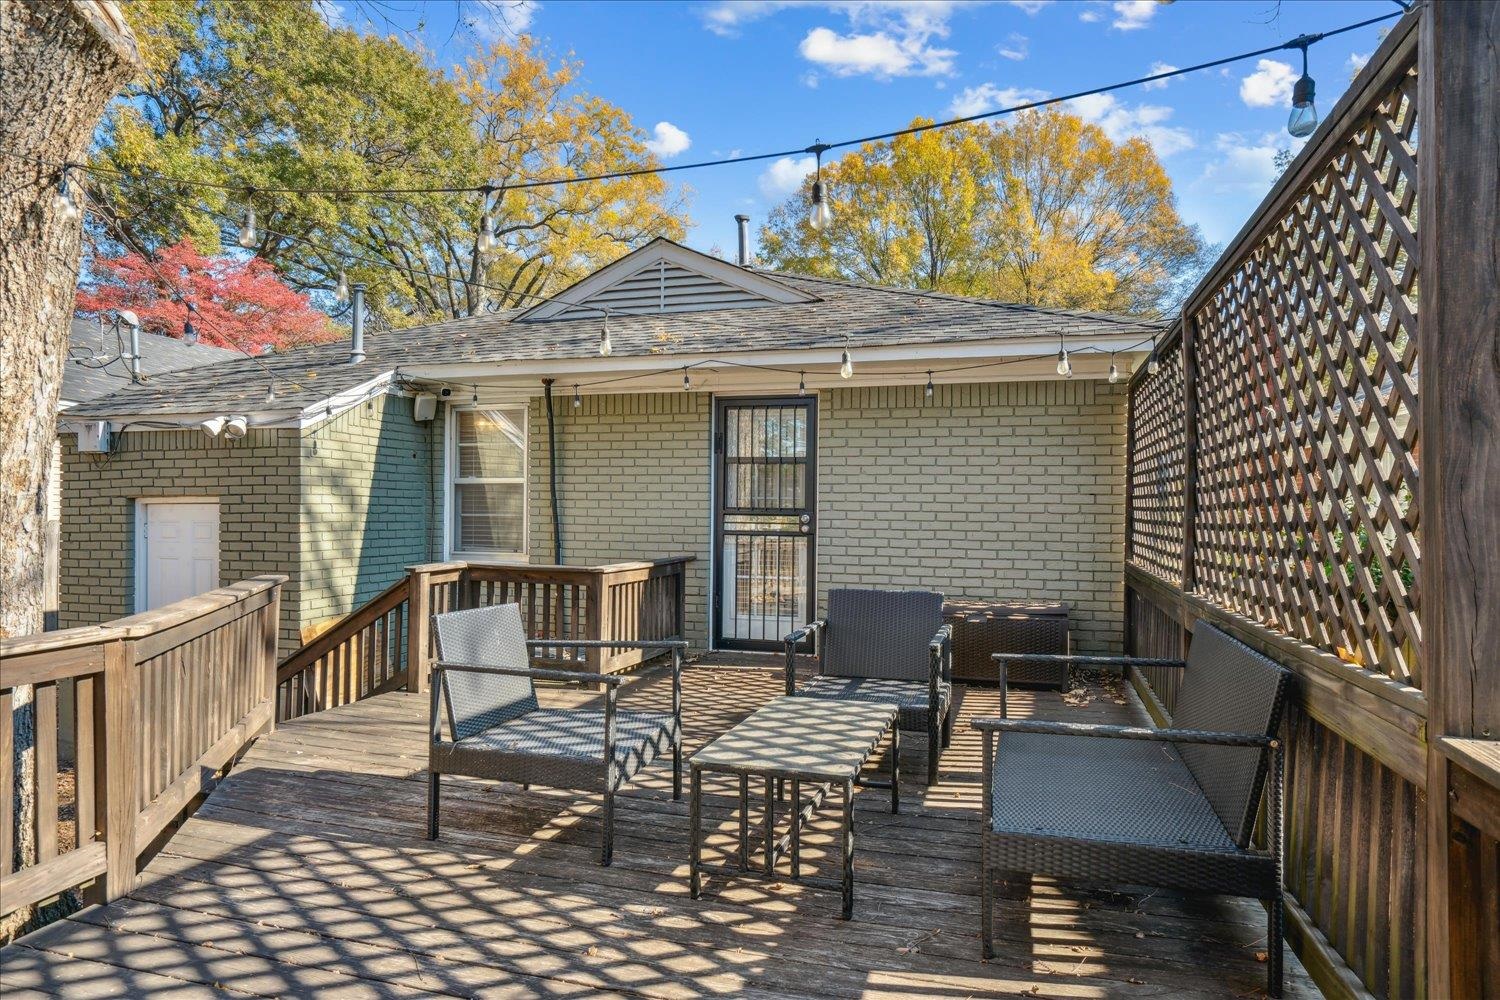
(665, 277)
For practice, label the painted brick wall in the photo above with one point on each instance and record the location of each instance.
(367, 504)
(1012, 490)
(1005, 490)
(255, 479)
(633, 477)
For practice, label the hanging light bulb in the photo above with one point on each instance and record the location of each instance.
(687, 382)
(577, 399)
(63, 202)
(189, 331)
(1303, 120)
(271, 393)
(1064, 366)
(802, 383)
(248, 235)
(1114, 370)
(342, 291)
(820, 215)
(928, 391)
(846, 365)
(605, 347)
(475, 399)
(1152, 365)
(486, 241)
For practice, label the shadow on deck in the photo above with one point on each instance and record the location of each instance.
(306, 873)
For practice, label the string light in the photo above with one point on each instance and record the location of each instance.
(248, 234)
(189, 331)
(1152, 365)
(271, 393)
(63, 202)
(475, 400)
(928, 391)
(821, 214)
(1114, 369)
(1064, 366)
(577, 399)
(342, 291)
(802, 383)
(846, 365)
(1303, 120)
(605, 347)
(687, 382)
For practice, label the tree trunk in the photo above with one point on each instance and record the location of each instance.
(63, 61)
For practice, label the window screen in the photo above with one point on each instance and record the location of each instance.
(489, 480)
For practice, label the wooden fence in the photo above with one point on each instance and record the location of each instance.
(372, 649)
(160, 702)
(1286, 481)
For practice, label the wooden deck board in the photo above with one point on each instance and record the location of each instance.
(306, 874)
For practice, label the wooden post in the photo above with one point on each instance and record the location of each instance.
(418, 613)
(116, 763)
(1458, 111)
(599, 613)
(270, 629)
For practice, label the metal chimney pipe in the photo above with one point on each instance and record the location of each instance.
(744, 224)
(135, 352)
(357, 324)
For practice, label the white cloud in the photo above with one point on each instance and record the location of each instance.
(1270, 85)
(1158, 67)
(1122, 121)
(496, 19)
(988, 97)
(1029, 7)
(670, 140)
(1015, 47)
(785, 175)
(1090, 16)
(877, 54)
(1357, 62)
(1246, 163)
(333, 14)
(1133, 14)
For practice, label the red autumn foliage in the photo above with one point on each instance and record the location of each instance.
(241, 304)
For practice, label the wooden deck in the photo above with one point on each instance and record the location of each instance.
(305, 873)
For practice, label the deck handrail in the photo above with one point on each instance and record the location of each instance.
(160, 701)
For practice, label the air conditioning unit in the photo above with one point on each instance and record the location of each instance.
(93, 436)
(424, 407)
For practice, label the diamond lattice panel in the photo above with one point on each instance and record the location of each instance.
(1307, 402)
(1156, 468)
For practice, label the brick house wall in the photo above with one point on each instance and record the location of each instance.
(256, 480)
(1009, 489)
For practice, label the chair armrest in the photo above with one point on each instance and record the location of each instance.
(1086, 661)
(1122, 732)
(812, 630)
(940, 655)
(606, 644)
(537, 673)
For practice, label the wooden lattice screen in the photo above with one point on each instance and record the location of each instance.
(1305, 357)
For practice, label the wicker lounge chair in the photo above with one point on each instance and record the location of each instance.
(1170, 807)
(484, 685)
(886, 646)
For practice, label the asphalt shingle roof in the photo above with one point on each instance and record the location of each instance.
(869, 315)
(83, 382)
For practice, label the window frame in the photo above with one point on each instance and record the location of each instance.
(451, 481)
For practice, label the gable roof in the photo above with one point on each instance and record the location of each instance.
(82, 381)
(827, 312)
(663, 277)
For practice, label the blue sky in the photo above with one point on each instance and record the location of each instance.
(714, 79)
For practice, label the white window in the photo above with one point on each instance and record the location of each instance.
(487, 469)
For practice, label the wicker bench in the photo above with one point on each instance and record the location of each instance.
(1123, 804)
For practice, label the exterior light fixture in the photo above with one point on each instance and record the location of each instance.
(475, 400)
(928, 391)
(820, 215)
(605, 347)
(577, 399)
(235, 427)
(248, 234)
(213, 426)
(1064, 366)
(1152, 364)
(802, 383)
(1303, 120)
(687, 382)
(1114, 370)
(341, 293)
(63, 202)
(486, 241)
(846, 365)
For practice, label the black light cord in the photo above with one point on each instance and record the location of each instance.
(1301, 41)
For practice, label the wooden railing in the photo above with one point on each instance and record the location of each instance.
(1288, 482)
(160, 702)
(372, 649)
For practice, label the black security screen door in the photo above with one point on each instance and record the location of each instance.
(765, 529)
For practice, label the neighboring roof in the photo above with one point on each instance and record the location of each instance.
(869, 315)
(83, 382)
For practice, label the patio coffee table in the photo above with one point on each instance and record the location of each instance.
(795, 739)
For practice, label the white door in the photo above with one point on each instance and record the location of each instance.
(177, 550)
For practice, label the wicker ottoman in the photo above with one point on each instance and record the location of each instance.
(981, 628)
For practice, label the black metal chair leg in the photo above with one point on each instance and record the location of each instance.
(607, 850)
(432, 804)
(948, 729)
(1274, 947)
(677, 768)
(934, 750)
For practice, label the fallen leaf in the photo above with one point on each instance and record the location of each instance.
(592, 950)
(1261, 956)
(1135, 982)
